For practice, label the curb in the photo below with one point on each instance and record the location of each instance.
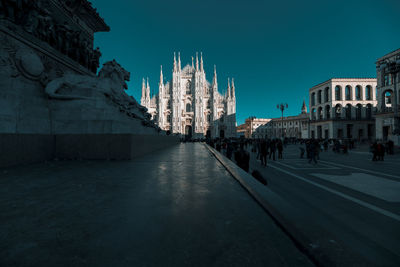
(304, 244)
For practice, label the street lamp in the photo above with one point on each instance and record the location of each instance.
(393, 67)
(282, 107)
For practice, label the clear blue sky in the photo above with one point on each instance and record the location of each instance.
(275, 50)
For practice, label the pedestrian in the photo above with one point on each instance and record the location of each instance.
(263, 152)
(229, 150)
(374, 150)
(242, 158)
(313, 151)
(302, 152)
(272, 149)
(280, 149)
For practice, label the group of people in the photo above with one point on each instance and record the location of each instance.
(378, 150)
(234, 149)
(238, 149)
(35, 19)
(267, 148)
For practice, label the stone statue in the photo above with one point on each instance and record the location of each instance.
(75, 49)
(110, 83)
(95, 60)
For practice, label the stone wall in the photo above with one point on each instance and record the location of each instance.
(17, 149)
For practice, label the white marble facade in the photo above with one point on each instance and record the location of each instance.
(190, 105)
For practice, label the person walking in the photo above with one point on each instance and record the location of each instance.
(272, 149)
(264, 152)
(242, 158)
(313, 150)
(374, 150)
(280, 149)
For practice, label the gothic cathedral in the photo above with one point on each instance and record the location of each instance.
(189, 105)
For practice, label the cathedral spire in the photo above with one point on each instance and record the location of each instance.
(192, 63)
(304, 107)
(229, 88)
(233, 88)
(143, 90)
(174, 62)
(201, 62)
(161, 77)
(215, 76)
(197, 61)
(148, 89)
(179, 61)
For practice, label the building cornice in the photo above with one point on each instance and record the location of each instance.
(369, 79)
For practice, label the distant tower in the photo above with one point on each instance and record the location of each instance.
(304, 108)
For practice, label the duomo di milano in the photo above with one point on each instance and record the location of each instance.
(190, 105)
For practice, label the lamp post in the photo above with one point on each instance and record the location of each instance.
(282, 107)
(393, 67)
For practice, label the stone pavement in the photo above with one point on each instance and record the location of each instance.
(347, 205)
(179, 207)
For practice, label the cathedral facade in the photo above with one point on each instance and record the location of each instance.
(190, 105)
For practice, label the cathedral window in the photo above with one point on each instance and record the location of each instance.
(188, 107)
(188, 85)
(208, 117)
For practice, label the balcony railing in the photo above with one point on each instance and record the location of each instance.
(385, 110)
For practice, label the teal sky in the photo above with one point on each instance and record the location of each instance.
(275, 50)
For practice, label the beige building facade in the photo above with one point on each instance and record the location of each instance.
(343, 108)
(287, 127)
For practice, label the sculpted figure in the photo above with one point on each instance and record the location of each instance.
(110, 83)
(65, 35)
(10, 9)
(31, 23)
(84, 59)
(95, 60)
(75, 50)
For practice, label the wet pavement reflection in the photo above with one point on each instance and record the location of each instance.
(177, 207)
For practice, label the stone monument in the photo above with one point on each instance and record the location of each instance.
(52, 101)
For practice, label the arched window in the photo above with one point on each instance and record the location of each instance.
(168, 118)
(169, 104)
(368, 92)
(348, 112)
(188, 107)
(319, 97)
(388, 98)
(348, 92)
(208, 117)
(208, 103)
(327, 112)
(338, 93)
(326, 94)
(358, 92)
(338, 111)
(313, 99)
(313, 114)
(320, 116)
(358, 111)
(369, 111)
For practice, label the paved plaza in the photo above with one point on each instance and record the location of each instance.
(179, 207)
(348, 205)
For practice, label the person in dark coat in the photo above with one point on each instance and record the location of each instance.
(242, 158)
(263, 152)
